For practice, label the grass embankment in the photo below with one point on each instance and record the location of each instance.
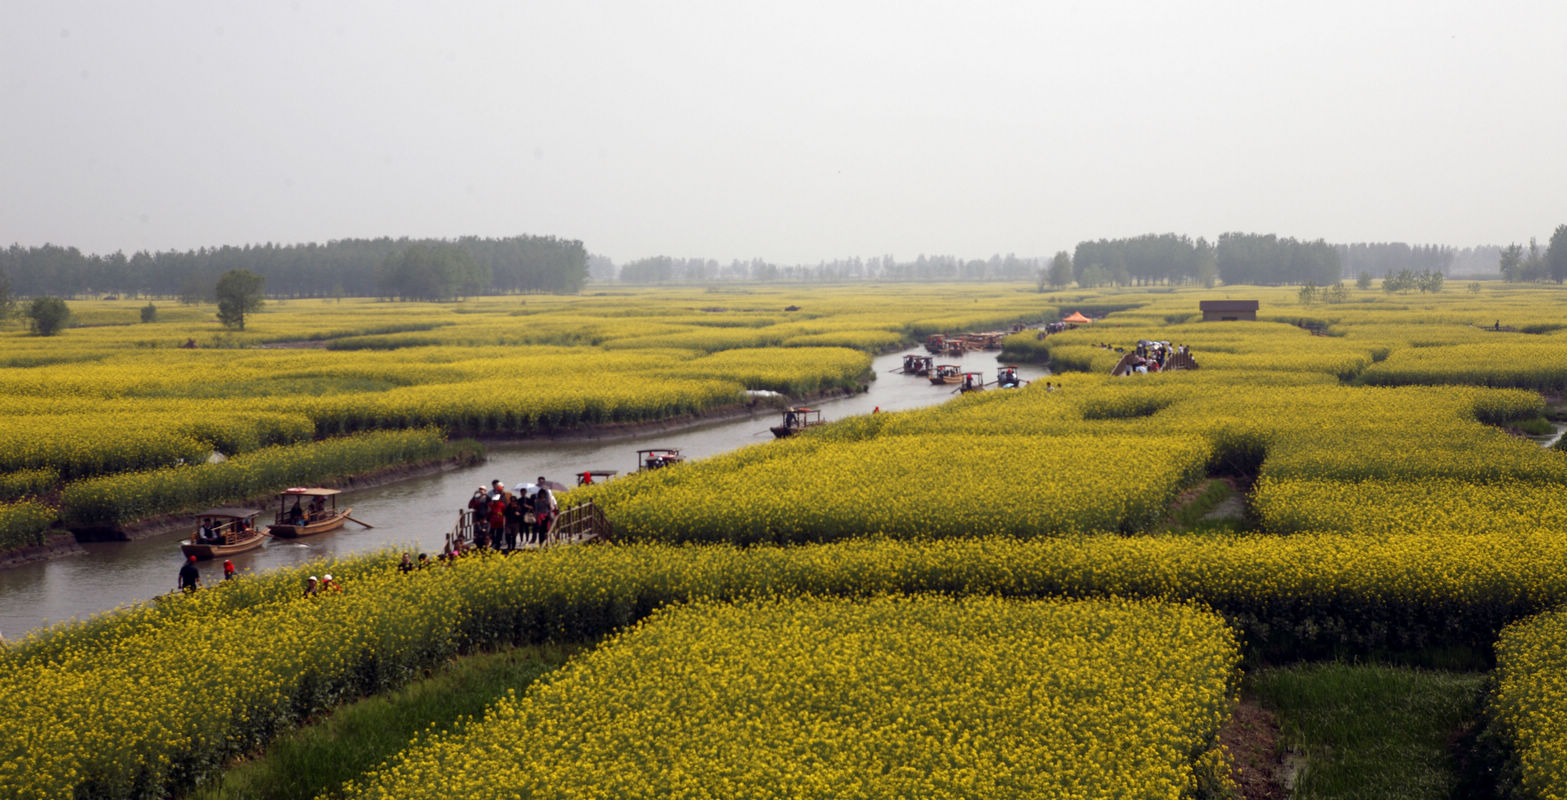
(317, 759)
(1213, 505)
(1379, 732)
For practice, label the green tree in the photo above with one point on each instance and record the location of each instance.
(1511, 263)
(149, 313)
(432, 272)
(1556, 254)
(48, 315)
(1534, 263)
(1207, 264)
(7, 304)
(238, 293)
(1363, 280)
(1337, 293)
(1308, 294)
(1060, 272)
(1093, 277)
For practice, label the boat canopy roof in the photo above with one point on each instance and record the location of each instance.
(232, 513)
(309, 492)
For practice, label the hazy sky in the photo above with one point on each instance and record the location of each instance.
(791, 131)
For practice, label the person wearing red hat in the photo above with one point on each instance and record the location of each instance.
(190, 577)
(228, 569)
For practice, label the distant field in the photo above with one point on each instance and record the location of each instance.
(116, 396)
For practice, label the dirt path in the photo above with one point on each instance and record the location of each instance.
(1251, 737)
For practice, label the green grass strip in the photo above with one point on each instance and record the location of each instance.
(317, 759)
(1371, 731)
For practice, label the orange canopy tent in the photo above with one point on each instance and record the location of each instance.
(1077, 316)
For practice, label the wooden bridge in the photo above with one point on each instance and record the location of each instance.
(1172, 362)
(583, 523)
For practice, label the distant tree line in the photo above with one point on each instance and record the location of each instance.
(1385, 258)
(348, 267)
(1151, 258)
(667, 269)
(1236, 258)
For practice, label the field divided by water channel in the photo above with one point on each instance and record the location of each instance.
(1340, 509)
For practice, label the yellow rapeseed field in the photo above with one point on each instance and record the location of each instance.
(890, 697)
(1389, 505)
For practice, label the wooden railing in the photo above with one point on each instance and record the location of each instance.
(580, 524)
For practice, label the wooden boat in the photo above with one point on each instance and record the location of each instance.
(936, 343)
(972, 382)
(988, 340)
(796, 420)
(917, 364)
(1007, 378)
(294, 521)
(658, 458)
(946, 374)
(229, 531)
(956, 347)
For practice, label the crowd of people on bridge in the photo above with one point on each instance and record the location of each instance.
(510, 520)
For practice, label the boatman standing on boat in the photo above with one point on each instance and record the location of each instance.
(190, 577)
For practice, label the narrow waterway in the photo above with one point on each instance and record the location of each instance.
(1551, 439)
(417, 512)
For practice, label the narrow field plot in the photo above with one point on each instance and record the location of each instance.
(893, 697)
(1532, 363)
(1432, 506)
(917, 487)
(1528, 706)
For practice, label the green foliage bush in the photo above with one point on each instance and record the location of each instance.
(23, 524)
(26, 483)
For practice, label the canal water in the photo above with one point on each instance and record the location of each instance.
(418, 512)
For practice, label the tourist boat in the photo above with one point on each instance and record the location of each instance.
(946, 374)
(936, 343)
(972, 382)
(230, 531)
(1007, 378)
(796, 420)
(988, 340)
(320, 516)
(917, 364)
(658, 458)
(956, 347)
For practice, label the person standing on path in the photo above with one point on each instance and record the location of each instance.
(543, 509)
(190, 577)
